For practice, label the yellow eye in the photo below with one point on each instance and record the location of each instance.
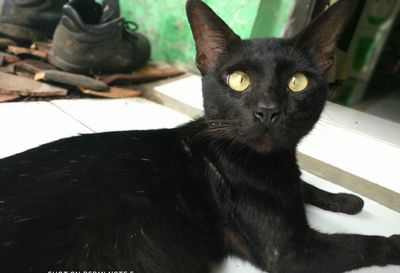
(238, 81)
(298, 82)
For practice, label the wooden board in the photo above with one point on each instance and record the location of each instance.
(10, 69)
(33, 66)
(114, 92)
(16, 50)
(9, 58)
(5, 42)
(77, 80)
(41, 46)
(5, 98)
(153, 71)
(14, 85)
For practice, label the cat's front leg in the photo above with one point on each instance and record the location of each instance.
(336, 202)
(339, 253)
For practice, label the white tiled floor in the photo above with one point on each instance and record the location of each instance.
(26, 125)
(115, 115)
(188, 92)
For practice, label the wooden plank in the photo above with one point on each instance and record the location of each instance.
(22, 73)
(5, 98)
(10, 69)
(41, 46)
(16, 50)
(153, 71)
(114, 92)
(33, 66)
(14, 85)
(77, 80)
(5, 42)
(8, 58)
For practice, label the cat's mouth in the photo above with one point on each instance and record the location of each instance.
(266, 142)
(263, 144)
(263, 139)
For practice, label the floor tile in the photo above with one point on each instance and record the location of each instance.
(186, 90)
(25, 125)
(121, 114)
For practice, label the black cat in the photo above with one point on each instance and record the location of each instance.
(180, 200)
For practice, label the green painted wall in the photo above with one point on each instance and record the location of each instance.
(165, 23)
(271, 18)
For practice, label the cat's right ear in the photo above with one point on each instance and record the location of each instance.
(211, 34)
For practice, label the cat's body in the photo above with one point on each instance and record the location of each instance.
(77, 204)
(180, 200)
(171, 208)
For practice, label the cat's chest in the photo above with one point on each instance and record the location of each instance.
(256, 198)
(260, 174)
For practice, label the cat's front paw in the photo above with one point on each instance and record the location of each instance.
(395, 255)
(348, 203)
(395, 237)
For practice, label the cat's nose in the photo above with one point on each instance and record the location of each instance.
(267, 113)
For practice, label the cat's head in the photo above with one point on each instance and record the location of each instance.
(265, 93)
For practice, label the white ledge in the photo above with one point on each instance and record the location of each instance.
(355, 142)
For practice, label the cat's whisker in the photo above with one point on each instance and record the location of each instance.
(215, 128)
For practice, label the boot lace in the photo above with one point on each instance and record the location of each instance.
(130, 26)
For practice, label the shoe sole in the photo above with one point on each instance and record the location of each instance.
(23, 33)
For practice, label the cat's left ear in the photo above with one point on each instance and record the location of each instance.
(211, 34)
(322, 34)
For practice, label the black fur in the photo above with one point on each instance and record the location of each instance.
(180, 200)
